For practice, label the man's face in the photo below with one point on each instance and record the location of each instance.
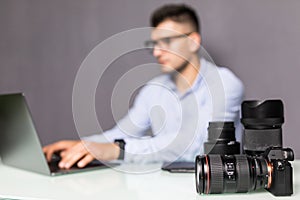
(173, 48)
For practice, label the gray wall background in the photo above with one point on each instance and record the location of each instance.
(42, 44)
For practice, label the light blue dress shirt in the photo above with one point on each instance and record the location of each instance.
(178, 122)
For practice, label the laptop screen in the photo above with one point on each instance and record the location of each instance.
(19, 143)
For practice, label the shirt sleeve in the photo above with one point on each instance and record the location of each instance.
(159, 148)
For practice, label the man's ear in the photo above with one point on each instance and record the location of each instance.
(194, 41)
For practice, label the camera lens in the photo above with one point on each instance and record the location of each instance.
(231, 173)
(221, 139)
(262, 121)
(262, 114)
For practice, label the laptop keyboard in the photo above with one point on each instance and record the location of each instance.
(55, 159)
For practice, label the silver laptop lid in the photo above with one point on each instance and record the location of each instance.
(19, 143)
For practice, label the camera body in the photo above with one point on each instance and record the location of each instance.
(281, 172)
(264, 164)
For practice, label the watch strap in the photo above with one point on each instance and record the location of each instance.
(121, 143)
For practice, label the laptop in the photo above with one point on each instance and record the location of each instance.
(20, 146)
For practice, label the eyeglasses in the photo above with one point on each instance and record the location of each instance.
(163, 42)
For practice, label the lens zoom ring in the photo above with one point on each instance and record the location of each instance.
(217, 177)
(243, 173)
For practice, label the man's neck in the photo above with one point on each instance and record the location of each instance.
(185, 79)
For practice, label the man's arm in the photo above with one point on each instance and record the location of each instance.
(102, 146)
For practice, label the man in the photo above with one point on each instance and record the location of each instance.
(176, 106)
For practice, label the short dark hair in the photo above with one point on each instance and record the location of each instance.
(176, 12)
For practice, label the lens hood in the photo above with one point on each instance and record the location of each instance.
(256, 114)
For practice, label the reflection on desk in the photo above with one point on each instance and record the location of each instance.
(113, 184)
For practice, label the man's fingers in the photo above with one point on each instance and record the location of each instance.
(48, 154)
(72, 155)
(86, 160)
(68, 162)
(58, 146)
(49, 150)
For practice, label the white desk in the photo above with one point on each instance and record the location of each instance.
(111, 184)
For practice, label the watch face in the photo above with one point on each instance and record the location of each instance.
(120, 143)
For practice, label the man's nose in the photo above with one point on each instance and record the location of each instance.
(157, 51)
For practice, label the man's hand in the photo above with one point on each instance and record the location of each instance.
(82, 152)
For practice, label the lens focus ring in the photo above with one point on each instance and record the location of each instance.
(217, 177)
(242, 167)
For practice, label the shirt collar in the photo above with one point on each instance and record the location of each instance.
(170, 83)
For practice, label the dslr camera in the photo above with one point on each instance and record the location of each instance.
(264, 164)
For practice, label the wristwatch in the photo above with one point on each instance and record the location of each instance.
(121, 143)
